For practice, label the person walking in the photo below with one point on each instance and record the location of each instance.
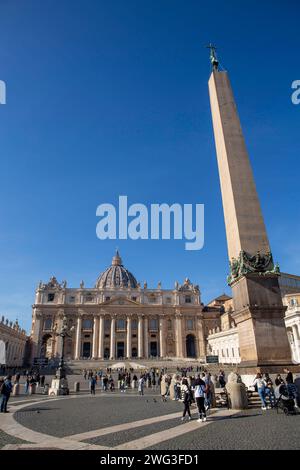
(221, 379)
(5, 391)
(260, 383)
(163, 388)
(187, 399)
(200, 388)
(122, 385)
(27, 384)
(141, 385)
(105, 382)
(92, 385)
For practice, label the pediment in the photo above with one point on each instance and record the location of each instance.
(121, 301)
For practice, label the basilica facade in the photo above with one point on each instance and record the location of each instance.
(119, 318)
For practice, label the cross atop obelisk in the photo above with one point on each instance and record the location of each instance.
(213, 56)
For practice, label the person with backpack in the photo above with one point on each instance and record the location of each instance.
(5, 391)
(200, 389)
(187, 399)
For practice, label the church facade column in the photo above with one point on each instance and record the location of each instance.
(140, 336)
(95, 338)
(200, 337)
(296, 342)
(162, 337)
(101, 337)
(58, 340)
(78, 338)
(36, 334)
(128, 338)
(179, 350)
(146, 339)
(113, 337)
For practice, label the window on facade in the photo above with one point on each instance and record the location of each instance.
(121, 324)
(153, 324)
(232, 352)
(134, 298)
(107, 324)
(227, 352)
(48, 324)
(293, 302)
(169, 324)
(168, 300)
(188, 299)
(107, 298)
(87, 324)
(190, 324)
(89, 298)
(72, 299)
(134, 325)
(51, 297)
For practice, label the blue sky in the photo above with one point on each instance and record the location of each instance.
(111, 98)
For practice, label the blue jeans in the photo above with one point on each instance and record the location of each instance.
(270, 394)
(261, 393)
(4, 400)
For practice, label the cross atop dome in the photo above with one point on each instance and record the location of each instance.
(117, 260)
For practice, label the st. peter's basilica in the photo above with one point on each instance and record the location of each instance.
(119, 318)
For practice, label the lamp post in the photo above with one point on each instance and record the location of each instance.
(63, 333)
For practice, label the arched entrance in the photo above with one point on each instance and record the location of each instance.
(120, 349)
(134, 352)
(153, 349)
(86, 350)
(106, 353)
(190, 346)
(47, 347)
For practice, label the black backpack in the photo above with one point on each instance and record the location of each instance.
(3, 389)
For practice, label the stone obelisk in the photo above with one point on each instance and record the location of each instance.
(258, 308)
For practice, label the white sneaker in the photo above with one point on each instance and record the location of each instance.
(203, 420)
(190, 418)
(199, 420)
(182, 419)
(263, 408)
(268, 407)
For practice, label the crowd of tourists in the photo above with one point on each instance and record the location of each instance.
(270, 391)
(187, 385)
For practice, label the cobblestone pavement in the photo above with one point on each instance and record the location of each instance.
(6, 439)
(127, 421)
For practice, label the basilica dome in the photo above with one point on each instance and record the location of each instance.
(116, 276)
